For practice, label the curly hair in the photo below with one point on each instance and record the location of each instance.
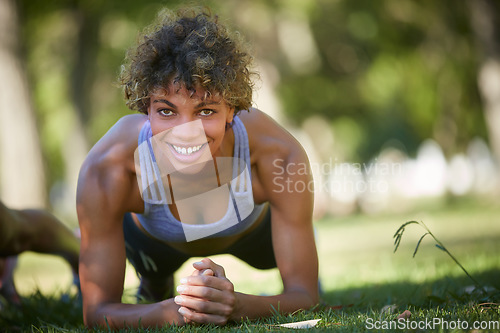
(193, 48)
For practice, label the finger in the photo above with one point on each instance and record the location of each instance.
(200, 265)
(208, 263)
(205, 293)
(208, 281)
(203, 272)
(201, 318)
(203, 306)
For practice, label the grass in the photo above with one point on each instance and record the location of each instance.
(363, 281)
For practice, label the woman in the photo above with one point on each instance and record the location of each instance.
(192, 175)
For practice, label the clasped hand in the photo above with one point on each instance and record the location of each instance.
(206, 296)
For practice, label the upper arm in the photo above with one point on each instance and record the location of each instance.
(101, 205)
(288, 182)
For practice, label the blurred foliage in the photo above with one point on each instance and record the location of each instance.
(376, 70)
(403, 70)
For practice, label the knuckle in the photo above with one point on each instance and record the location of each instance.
(204, 306)
(188, 316)
(204, 279)
(220, 269)
(196, 318)
(231, 301)
(227, 310)
(206, 293)
(228, 285)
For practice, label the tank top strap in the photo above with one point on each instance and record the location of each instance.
(150, 175)
(241, 153)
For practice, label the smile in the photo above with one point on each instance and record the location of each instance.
(187, 150)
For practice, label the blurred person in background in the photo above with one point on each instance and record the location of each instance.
(32, 230)
(190, 80)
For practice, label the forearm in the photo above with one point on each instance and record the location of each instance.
(252, 306)
(119, 315)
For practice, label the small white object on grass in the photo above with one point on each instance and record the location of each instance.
(302, 324)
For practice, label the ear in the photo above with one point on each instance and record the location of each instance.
(230, 116)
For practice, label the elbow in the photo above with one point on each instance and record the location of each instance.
(306, 299)
(93, 322)
(92, 319)
(313, 299)
(89, 322)
(310, 297)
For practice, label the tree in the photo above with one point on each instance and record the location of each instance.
(485, 17)
(21, 163)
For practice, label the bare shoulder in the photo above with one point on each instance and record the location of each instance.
(109, 169)
(272, 150)
(118, 144)
(268, 139)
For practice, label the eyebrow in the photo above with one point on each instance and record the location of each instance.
(202, 104)
(166, 102)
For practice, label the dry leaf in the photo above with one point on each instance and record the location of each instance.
(302, 324)
(405, 315)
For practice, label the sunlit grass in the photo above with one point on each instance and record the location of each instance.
(359, 250)
(357, 268)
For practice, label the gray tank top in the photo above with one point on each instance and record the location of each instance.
(157, 218)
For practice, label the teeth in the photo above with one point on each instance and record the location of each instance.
(188, 151)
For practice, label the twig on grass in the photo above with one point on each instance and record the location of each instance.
(399, 234)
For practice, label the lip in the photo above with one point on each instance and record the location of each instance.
(185, 157)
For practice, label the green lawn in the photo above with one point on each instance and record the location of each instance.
(358, 271)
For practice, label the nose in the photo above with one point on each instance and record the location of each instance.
(188, 131)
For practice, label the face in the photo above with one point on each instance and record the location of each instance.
(191, 128)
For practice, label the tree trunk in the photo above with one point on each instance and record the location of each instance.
(485, 18)
(22, 178)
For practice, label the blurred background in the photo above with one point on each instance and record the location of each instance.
(396, 102)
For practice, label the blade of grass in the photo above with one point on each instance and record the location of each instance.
(418, 244)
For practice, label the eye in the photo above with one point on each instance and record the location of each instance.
(166, 112)
(206, 112)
